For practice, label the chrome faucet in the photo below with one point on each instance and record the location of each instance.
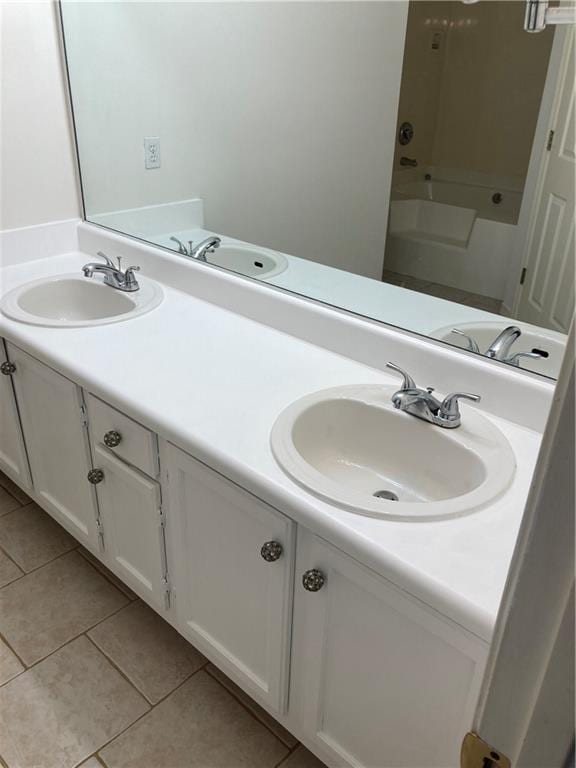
(422, 403)
(408, 162)
(181, 247)
(113, 276)
(500, 347)
(204, 247)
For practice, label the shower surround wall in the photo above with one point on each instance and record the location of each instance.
(280, 117)
(474, 101)
(472, 82)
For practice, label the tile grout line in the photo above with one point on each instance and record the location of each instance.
(247, 708)
(288, 756)
(67, 642)
(143, 715)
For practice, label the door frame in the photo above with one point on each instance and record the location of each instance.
(522, 694)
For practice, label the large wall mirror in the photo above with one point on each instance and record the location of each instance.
(410, 161)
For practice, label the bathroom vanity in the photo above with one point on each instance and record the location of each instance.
(149, 441)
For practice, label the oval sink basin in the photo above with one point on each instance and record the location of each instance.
(248, 260)
(352, 448)
(74, 301)
(551, 343)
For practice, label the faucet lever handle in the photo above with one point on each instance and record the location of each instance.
(407, 380)
(471, 343)
(449, 407)
(107, 259)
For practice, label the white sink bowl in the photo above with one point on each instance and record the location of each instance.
(352, 448)
(248, 260)
(74, 301)
(484, 333)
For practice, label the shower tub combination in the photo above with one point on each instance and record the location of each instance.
(457, 234)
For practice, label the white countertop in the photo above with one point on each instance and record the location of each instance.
(213, 382)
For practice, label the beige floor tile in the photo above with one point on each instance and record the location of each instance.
(50, 606)
(152, 655)
(255, 708)
(302, 758)
(9, 664)
(32, 538)
(65, 708)
(8, 503)
(200, 725)
(8, 570)
(14, 489)
(107, 573)
(92, 762)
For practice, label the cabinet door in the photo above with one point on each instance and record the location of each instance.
(133, 527)
(379, 680)
(234, 604)
(50, 408)
(13, 458)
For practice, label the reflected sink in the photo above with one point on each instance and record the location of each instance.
(352, 448)
(551, 343)
(74, 301)
(248, 260)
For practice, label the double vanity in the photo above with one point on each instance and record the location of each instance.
(333, 537)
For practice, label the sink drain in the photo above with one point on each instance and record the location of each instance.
(388, 495)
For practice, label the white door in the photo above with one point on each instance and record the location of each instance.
(378, 679)
(525, 713)
(235, 605)
(50, 408)
(132, 527)
(547, 297)
(13, 458)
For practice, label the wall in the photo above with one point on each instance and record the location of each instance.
(483, 91)
(38, 172)
(280, 116)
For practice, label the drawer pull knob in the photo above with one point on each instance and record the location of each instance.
(271, 551)
(7, 368)
(95, 476)
(112, 438)
(313, 580)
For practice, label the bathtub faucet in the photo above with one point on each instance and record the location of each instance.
(408, 162)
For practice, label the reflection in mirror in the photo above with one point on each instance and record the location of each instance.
(412, 162)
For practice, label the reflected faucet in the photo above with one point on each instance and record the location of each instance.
(408, 162)
(206, 246)
(501, 346)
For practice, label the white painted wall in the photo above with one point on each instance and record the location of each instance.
(37, 166)
(280, 116)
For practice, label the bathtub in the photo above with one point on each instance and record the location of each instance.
(453, 233)
(471, 196)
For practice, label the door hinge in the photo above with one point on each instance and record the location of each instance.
(167, 592)
(164, 558)
(83, 415)
(550, 141)
(100, 530)
(523, 275)
(476, 753)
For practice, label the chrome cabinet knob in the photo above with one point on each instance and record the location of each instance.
(112, 438)
(313, 580)
(7, 368)
(271, 551)
(95, 476)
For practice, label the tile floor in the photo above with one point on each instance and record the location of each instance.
(92, 677)
(443, 292)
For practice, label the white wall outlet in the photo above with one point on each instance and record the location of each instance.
(152, 152)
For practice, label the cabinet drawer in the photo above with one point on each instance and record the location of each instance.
(124, 437)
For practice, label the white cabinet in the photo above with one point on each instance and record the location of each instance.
(51, 412)
(132, 527)
(13, 458)
(230, 601)
(379, 680)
